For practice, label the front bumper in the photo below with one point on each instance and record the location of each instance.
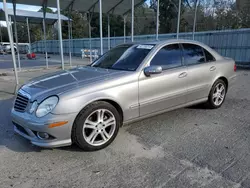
(28, 125)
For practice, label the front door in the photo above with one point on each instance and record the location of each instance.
(168, 89)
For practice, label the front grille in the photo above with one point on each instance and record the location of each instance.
(20, 128)
(21, 102)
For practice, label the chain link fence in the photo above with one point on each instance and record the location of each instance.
(229, 43)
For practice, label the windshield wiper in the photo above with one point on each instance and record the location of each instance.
(121, 69)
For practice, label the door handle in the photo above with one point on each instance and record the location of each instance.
(213, 68)
(182, 75)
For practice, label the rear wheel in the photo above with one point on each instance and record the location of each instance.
(96, 126)
(217, 94)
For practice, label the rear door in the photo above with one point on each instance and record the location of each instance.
(201, 71)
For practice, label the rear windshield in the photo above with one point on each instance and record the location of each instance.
(124, 57)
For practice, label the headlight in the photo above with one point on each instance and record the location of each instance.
(46, 106)
(33, 107)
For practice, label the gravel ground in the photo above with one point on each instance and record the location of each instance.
(189, 147)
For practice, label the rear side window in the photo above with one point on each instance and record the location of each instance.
(168, 57)
(193, 54)
(209, 57)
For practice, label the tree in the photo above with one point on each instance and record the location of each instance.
(145, 20)
(35, 30)
(169, 14)
(48, 10)
(79, 25)
(4, 32)
(116, 25)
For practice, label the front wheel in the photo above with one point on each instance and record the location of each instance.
(217, 94)
(96, 126)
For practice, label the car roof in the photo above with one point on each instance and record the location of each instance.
(173, 41)
(166, 41)
(169, 41)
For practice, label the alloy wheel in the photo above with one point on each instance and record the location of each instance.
(99, 127)
(219, 94)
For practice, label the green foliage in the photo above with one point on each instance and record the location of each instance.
(4, 34)
(219, 16)
(48, 10)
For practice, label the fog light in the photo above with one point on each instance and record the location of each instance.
(42, 136)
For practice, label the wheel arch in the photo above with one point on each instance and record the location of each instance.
(108, 100)
(224, 79)
(75, 129)
(116, 105)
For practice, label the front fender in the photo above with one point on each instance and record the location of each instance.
(125, 96)
(76, 104)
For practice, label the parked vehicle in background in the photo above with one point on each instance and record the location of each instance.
(23, 48)
(87, 105)
(7, 48)
(1, 49)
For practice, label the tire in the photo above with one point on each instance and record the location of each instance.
(90, 130)
(217, 94)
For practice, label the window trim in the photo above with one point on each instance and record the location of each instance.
(214, 59)
(182, 62)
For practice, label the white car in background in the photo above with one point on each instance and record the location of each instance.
(7, 48)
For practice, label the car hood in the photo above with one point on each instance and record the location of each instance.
(59, 82)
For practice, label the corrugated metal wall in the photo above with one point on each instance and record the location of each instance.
(229, 43)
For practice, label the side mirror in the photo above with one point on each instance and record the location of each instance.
(152, 70)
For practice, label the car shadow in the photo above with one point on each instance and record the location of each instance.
(8, 138)
(15, 142)
(199, 107)
(73, 148)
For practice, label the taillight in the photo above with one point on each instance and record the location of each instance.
(235, 67)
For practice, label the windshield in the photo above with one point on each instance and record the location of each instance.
(124, 57)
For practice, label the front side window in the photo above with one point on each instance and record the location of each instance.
(168, 57)
(193, 54)
(124, 57)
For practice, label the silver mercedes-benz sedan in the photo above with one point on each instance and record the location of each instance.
(88, 105)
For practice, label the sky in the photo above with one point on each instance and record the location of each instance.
(22, 7)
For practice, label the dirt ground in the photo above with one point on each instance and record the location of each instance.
(189, 147)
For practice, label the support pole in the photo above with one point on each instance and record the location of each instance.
(16, 37)
(71, 37)
(42, 42)
(108, 32)
(100, 19)
(69, 31)
(45, 43)
(44, 33)
(1, 33)
(60, 32)
(157, 19)
(179, 20)
(90, 41)
(124, 28)
(132, 19)
(28, 29)
(11, 41)
(11, 30)
(195, 17)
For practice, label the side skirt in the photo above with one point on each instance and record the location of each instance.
(166, 110)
